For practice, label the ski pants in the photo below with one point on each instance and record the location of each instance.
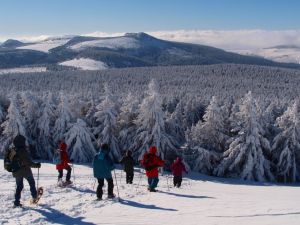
(177, 181)
(129, 177)
(61, 173)
(20, 185)
(153, 181)
(110, 189)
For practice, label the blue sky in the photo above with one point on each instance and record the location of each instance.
(55, 17)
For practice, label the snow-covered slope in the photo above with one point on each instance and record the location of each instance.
(200, 200)
(85, 64)
(46, 45)
(23, 70)
(112, 43)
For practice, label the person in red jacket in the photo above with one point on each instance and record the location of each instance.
(151, 162)
(177, 168)
(64, 164)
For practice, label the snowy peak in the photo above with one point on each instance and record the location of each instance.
(11, 43)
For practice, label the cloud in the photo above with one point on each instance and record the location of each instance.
(225, 39)
(233, 39)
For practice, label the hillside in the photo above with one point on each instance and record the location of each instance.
(130, 50)
(200, 200)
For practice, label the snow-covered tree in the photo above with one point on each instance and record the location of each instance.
(64, 118)
(286, 146)
(13, 125)
(246, 156)
(211, 133)
(106, 129)
(44, 126)
(2, 114)
(204, 160)
(151, 128)
(175, 125)
(80, 142)
(30, 108)
(128, 114)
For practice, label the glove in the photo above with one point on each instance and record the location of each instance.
(37, 165)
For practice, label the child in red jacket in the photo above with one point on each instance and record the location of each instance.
(177, 169)
(64, 164)
(151, 162)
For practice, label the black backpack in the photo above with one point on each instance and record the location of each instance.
(11, 160)
(148, 161)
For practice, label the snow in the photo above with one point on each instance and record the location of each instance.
(46, 45)
(23, 70)
(200, 200)
(112, 43)
(85, 64)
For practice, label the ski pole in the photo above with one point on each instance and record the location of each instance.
(117, 185)
(121, 176)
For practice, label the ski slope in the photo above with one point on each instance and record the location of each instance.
(201, 200)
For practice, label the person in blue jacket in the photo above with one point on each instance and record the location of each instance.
(102, 167)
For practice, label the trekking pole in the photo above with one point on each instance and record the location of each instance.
(168, 182)
(38, 177)
(94, 186)
(117, 185)
(141, 175)
(121, 176)
(73, 172)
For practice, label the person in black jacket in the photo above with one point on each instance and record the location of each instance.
(128, 164)
(25, 163)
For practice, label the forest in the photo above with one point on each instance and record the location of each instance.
(224, 120)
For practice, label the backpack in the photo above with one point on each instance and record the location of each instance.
(11, 160)
(148, 161)
(56, 157)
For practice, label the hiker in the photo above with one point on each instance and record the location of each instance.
(64, 164)
(102, 167)
(151, 162)
(24, 164)
(177, 168)
(128, 164)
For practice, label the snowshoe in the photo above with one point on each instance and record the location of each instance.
(111, 196)
(40, 192)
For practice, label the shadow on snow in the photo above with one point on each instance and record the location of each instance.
(54, 216)
(144, 206)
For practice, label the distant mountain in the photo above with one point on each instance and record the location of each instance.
(11, 43)
(130, 50)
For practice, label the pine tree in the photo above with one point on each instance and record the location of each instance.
(286, 146)
(246, 156)
(2, 114)
(80, 142)
(30, 108)
(44, 127)
(13, 125)
(64, 118)
(151, 128)
(106, 129)
(126, 120)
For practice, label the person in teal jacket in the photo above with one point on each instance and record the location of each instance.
(102, 167)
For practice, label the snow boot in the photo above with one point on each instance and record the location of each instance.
(111, 196)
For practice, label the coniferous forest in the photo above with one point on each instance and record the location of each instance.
(224, 120)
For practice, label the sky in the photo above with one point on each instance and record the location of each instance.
(35, 18)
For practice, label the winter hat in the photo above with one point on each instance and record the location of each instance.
(129, 153)
(153, 150)
(105, 147)
(63, 146)
(19, 141)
